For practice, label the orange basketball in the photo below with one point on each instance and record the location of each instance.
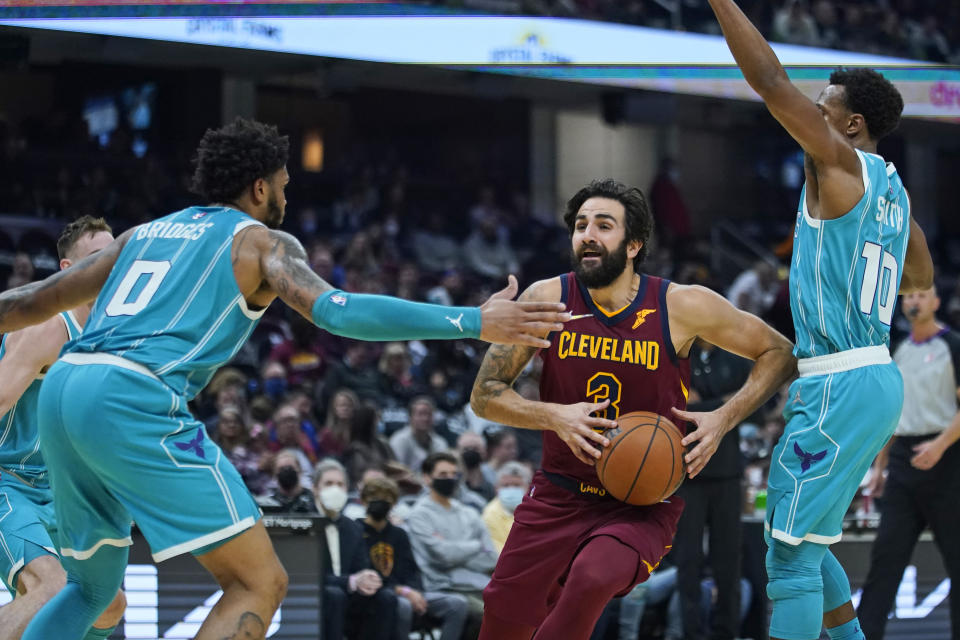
(643, 464)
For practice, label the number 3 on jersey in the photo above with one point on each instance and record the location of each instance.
(605, 386)
(150, 271)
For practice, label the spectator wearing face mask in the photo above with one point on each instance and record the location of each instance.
(473, 451)
(513, 479)
(289, 496)
(287, 433)
(450, 542)
(392, 557)
(355, 602)
(274, 380)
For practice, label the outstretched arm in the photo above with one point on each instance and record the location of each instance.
(284, 269)
(699, 312)
(494, 398)
(795, 111)
(26, 353)
(35, 302)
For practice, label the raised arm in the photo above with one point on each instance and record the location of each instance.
(26, 353)
(284, 272)
(796, 112)
(699, 312)
(494, 398)
(35, 302)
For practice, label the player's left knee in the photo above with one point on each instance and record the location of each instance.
(113, 613)
(793, 571)
(612, 573)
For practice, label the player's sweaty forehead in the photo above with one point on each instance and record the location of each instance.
(596, 209)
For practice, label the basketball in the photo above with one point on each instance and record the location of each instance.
(643, 463)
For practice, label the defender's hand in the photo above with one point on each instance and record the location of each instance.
(711, 427)
(575, 424)
(523, 323)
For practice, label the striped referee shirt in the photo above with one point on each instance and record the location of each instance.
(931, 372)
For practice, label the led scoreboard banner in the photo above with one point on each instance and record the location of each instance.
(568, 50)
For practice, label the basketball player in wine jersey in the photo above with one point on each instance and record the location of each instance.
(572, 547)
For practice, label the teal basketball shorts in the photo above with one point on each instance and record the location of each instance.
(838, 419)
(27, 525)
(122, 446)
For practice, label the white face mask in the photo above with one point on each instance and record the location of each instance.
(333, 498)
(511, 497)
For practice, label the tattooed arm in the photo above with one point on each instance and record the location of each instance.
(35, 302)
(284, 272)
(287, 274)
(494, 398)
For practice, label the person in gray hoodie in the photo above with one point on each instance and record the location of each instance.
(450, 542)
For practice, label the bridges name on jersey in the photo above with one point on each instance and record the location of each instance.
(171, 302)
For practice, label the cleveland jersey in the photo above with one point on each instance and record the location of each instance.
(845, 273)
(626, 356)
(171, 302)
(19, 438)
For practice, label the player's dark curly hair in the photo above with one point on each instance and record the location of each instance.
(873, 96)
(233, 157)
(638, 219)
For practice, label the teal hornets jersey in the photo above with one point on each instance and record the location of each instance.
(19, 440)
(171, 302)
(845, 273)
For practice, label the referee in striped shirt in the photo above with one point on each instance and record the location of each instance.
(919, 469)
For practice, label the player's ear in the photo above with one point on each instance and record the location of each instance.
(633, 248)
(855, 124)
(259, 190)
(64, 263)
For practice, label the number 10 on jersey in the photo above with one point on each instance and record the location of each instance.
(880, 272)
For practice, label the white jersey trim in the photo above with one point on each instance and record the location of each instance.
(108, 358)
(13, 573)
(205, 540)
(246, 223)
(86, 554)
(810, 220)
(253, 315)
(843, 361)
(783, 536)
(73, 319)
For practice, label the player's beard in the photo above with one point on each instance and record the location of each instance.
(274, 212)
(612, 264)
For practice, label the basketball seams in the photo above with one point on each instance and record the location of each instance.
(620, 439)
(659, 423)
(653, 438)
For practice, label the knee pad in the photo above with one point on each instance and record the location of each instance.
(796, 588)
(836, 585)
(794, 570)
